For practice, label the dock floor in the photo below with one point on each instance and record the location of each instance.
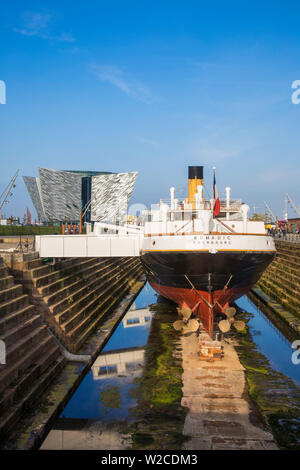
(220, 414)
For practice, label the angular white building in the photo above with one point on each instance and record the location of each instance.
(61, 195)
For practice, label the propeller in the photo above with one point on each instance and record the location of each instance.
(239, 325)
(185, 312)
(230, 312)
(190, 326)
(225, 325)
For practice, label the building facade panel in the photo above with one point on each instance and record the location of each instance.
(33, 188)
(61, 194)
(110, 196)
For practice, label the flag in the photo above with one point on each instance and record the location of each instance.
(216, 198)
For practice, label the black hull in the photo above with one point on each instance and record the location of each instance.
(205, 271)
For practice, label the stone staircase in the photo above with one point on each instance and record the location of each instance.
(76, 293)
(33, 358)
(281, 280)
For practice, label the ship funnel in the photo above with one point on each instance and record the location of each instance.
(195, 179)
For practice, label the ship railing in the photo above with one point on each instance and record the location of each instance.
(289, 237)
(235, 204)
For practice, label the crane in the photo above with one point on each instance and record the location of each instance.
(7, 191)
(269, 211)
(290, 201)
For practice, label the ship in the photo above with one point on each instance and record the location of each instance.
(203, 254)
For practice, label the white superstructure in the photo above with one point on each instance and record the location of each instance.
(168, 225)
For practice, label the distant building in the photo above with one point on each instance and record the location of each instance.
(62, 195)
(294, 224)
(10, 221)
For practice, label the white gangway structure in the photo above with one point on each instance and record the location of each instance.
(106, 240)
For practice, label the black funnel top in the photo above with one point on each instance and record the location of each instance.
(196, 172)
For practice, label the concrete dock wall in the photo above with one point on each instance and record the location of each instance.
(281, 281)
(32, 357)
(46, 309)
(75, 293)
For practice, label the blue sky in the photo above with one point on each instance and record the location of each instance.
(153, 86)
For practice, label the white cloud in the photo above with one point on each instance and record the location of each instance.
(112, 75)
(115, 77)
(65, 37)
(34, 24)
(37, 24)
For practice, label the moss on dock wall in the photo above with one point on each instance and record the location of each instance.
(281, 281)
(277, 396)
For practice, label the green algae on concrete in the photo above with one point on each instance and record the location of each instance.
(259, 296)
(281, 280)
(159, 416)
(277, 396)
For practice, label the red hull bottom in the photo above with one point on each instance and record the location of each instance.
(203, 304)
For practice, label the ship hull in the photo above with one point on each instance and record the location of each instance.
(205, 282)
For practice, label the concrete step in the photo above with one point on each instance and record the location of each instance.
(14, 319)
(280, 264)
(3, 271)
(284, 273)
(54, 276)
(36, 272)
(6, 282)
(82, 296)
(64, 303)
(288, 247)
(17, 369)
(82, 280)
(99, 309)
(81, 270)
(9, 420)
(48, 268)
(33, 263)
(280, 295)
(104, 292)
(80, 339)
(11, 292)
(18, 348)
(285, 284)
(30, 376)
(13, 305)
(11, 336)
(288, 258)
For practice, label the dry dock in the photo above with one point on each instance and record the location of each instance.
(220, 415)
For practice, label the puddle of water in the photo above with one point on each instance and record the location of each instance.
(94, 416)
(270, 341)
